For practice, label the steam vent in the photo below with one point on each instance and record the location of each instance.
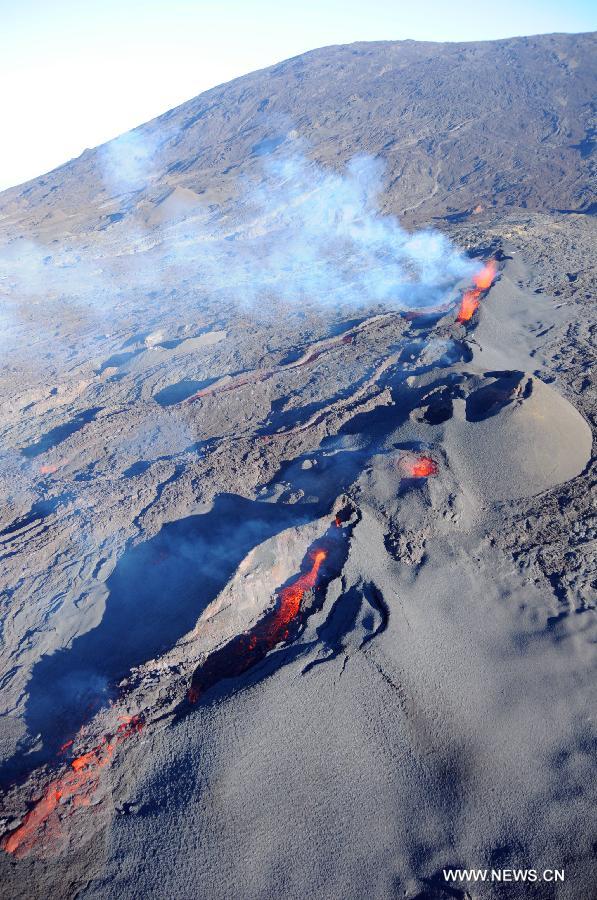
(297, 533)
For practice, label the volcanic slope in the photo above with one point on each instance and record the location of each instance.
(299, 570)
(461, 126)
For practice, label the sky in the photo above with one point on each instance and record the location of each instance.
(76, 74)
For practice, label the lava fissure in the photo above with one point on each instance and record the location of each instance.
(284, 622)
(188, 562)
(293, 602)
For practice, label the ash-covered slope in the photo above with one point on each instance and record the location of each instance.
(461, 126)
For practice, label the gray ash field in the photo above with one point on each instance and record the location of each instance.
(297, 539)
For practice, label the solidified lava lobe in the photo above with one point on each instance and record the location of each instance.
(283, 623)
(261, 375)
(471, 298)
(77, 784)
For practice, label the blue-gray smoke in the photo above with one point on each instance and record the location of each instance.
(307, 234)
(297, 233)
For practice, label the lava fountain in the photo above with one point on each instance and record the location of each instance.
(471, 298)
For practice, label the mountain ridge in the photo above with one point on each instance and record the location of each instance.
(459, 125)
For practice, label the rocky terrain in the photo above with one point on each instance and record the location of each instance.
(297, 538)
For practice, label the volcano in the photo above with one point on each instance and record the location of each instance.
(297, 538)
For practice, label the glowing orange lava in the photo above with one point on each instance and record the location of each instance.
(249, 648)
(291, 597)
(471, 299)
(484, 279)
(77, 784)
(418, 466)
(424, 467)
(468, 306)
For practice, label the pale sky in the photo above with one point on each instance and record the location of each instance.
(75, 73)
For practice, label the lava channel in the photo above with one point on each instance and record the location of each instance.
(285, 621)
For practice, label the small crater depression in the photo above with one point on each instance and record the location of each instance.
(491, 399)
(438, 406)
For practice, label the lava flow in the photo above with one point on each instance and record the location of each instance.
(418, 466)
(471, 299)
(283, 623)
(77, 785)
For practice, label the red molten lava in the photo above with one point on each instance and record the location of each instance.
(245, 650)
(77, 784)
(291, 598)
(418, 466)
(484, 279)
(424, 467)
(468, 306)
(470, 300)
